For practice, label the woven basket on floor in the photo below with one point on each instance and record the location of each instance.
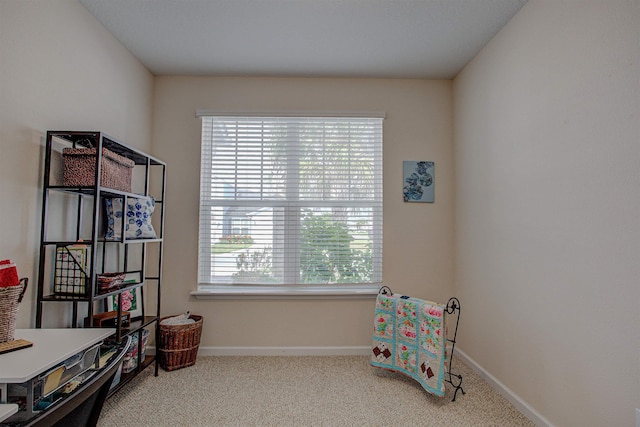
(10, 297)
(178, 344)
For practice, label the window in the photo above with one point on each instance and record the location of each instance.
(290, 201)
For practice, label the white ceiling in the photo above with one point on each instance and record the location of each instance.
(309, 38)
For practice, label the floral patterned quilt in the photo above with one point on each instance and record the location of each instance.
(409, 337)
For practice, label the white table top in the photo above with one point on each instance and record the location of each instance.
(50, 347)
(7, 409)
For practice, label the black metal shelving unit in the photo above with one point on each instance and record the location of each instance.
(80, 216)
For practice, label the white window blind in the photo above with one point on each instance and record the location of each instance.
(290, 200)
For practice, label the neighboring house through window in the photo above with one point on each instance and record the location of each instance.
(290, 200)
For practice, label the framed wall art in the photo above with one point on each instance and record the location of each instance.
(131, 302)
(418, 181)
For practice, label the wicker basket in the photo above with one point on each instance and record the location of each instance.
(10, 297)
(178, 344)
(80, 169)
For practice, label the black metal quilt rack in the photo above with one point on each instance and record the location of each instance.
(453, 307)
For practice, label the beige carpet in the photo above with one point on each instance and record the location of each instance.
(300, 391)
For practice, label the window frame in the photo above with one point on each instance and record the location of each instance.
(339, 290)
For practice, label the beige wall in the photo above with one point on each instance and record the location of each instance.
(547, 167)
(59, 70)
(417, 237)
(547, 154)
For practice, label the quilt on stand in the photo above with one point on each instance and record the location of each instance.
(410, 337)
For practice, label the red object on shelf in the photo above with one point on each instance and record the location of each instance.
(8, 274)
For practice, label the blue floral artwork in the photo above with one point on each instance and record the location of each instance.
(418, 181)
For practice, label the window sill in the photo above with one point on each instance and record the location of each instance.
(287, 292)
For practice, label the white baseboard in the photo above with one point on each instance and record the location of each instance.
(284, 351)
(505, 391)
